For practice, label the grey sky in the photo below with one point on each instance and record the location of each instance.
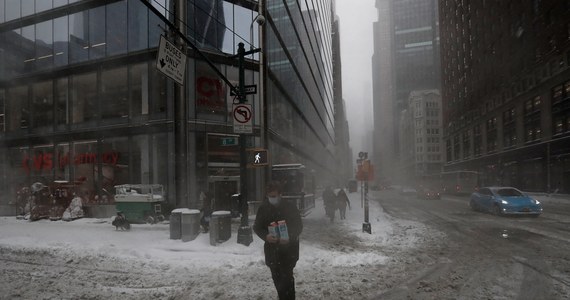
(356, 18)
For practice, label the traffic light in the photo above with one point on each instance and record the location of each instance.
(257, 157)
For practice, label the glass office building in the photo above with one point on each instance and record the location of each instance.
(300, 93)
(81, 100)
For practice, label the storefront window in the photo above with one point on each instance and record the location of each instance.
(84, 160)
(42, 102)
(116, 164)
(40, 164)
(114, 87)
(18, 169)
(84, 98)
(63, 162)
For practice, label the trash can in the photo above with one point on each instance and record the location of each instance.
(190, 224)
(175, 224)
(220, 227)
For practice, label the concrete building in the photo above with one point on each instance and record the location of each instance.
(82, 102)
(421, 135)
(505, 91)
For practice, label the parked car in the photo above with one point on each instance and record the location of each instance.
(504, 200)
(428, 194)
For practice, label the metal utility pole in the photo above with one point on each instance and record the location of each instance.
(180, 121)
(245, 236)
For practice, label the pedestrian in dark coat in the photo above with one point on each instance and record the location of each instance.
(281, 255)
(329, 200)
(342, 201)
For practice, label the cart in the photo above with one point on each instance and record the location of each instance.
(140, 203)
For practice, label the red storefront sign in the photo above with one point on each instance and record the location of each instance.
(210, 94)
(46, 161)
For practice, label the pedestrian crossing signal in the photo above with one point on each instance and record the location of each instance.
(257, 157)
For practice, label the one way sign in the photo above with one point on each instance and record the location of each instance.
(171, 61)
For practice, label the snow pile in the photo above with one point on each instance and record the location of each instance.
(337, 260)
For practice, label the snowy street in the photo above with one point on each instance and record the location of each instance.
(88, 259)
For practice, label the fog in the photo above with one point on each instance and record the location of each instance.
(356, 39)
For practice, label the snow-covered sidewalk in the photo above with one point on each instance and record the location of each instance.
(337, 260)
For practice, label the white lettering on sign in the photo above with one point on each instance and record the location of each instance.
(171, 61)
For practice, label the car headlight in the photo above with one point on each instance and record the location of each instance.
(536, 202)
(504, 201)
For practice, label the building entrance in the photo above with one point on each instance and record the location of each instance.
(222, 188)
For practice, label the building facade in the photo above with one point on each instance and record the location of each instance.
(406, 56)
(505, 87)
(421, 135)
(82, 102)
(300, 84)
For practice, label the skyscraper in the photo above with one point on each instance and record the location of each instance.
(406, 58)
(506, 82)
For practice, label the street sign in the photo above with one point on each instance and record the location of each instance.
(229, 141)
(257, 157)
(242, 114)
(248, 89)
(171, 61)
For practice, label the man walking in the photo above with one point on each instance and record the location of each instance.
(282, 242)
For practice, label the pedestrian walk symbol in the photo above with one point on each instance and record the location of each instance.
(257, 157)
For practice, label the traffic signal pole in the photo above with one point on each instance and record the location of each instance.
(245, 235)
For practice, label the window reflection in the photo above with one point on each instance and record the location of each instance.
(2, 111)
(43, 104)
(84, 97)
(60, 41)
(44, 45)
(19, 117)
(116, 28)
(138, 89)
(28, 47)
(62, 104)
(78, 42)
(12, 9)
(114, 102)
(97, 43)
(138, 25)
(2, 10)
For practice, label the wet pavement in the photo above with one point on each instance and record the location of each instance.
(480, 255)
